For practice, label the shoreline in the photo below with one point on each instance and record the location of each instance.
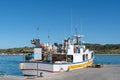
(107, 72)
(10, 54)
(23, 54)
(107, 54)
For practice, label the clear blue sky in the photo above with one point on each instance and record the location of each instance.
(19, 19)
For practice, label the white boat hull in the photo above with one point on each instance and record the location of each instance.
(36, 68)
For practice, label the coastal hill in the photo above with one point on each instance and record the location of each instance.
(104, 49)
(98, 48)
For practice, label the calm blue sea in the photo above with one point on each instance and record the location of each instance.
(9, 64)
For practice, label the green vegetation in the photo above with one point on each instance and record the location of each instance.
(98, 48)
(104, 49)
(16, 50)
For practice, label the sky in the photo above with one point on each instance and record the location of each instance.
(97, 20)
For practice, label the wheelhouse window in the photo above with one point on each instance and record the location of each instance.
(92, 55)
(69, 58)
(84, 57)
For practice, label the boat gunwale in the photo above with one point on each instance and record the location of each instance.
(56, 63)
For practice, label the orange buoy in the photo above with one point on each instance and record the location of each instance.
(42, 45)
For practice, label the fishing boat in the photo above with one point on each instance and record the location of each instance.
(46, 58)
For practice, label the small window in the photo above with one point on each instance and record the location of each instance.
(86, 56)
(70, 58)
(83, 57)
(92, 55)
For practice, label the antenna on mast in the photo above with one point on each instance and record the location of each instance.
(80, 27)
(48, 38)
(76, 30)
(71, 22)
(77, 36)
(72, 35)
(81, 32)
(37, 32)
(36, 41)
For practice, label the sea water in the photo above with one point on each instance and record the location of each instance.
(9, 64)
(107, 59)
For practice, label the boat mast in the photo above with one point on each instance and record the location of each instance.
(71, 22)
(36, 41)
(77, 37)
(48, 39)
(37, 32)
